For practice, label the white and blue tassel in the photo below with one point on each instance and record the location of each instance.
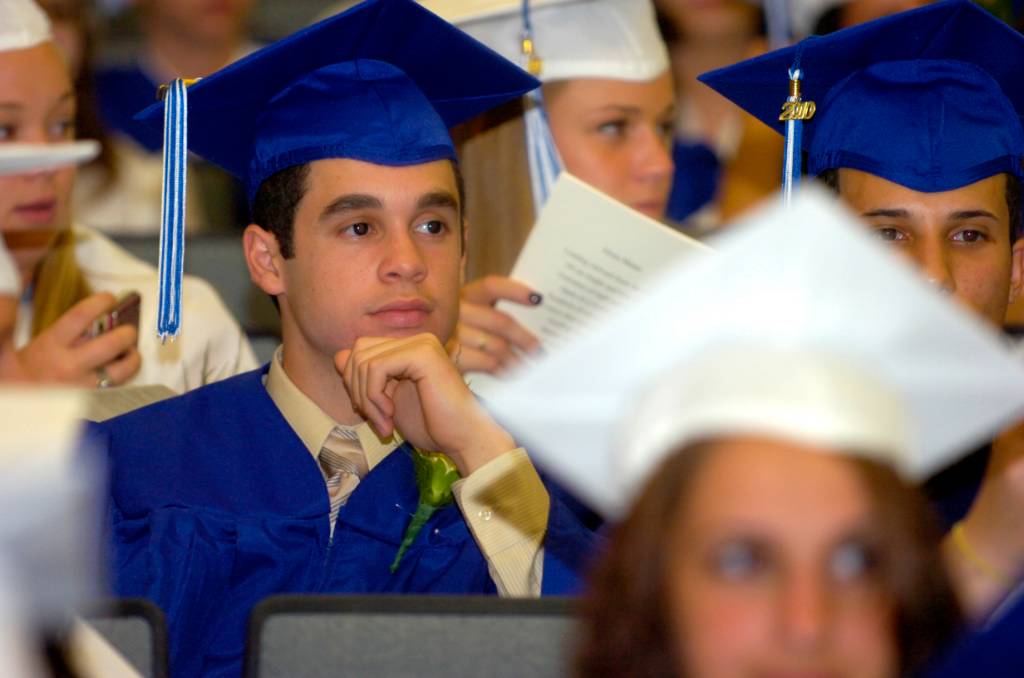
(172, 210)
(542, 155)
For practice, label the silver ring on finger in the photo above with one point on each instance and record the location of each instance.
(103, 379)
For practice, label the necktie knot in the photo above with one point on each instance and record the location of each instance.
(343, 463)
(342, 453)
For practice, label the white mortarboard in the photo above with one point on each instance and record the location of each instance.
(616, 39)
(24, 25)
(801, 327)
(570, 39)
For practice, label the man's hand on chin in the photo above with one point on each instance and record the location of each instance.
(412, 385)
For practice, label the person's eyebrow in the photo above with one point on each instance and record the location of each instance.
(63, 98)
(962, 215)
(437, 199)
(350, 202)
(623, 109)
(15, 105)
(891, 213)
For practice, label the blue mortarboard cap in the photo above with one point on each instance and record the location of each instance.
(381, 83)
(929, 98)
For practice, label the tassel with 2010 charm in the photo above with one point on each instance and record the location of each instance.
(794, 112)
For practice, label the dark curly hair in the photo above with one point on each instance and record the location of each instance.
(626, 619)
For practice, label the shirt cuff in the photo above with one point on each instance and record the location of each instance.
(506, 507)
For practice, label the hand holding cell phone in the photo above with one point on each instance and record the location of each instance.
(68, 352)
(126, 312)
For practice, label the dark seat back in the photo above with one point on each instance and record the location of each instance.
(410, 636)
(136, 628)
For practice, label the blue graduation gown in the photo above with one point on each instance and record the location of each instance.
(995, 651)
(695, 181)
(215, 503)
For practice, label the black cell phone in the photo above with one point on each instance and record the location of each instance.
(126, 312)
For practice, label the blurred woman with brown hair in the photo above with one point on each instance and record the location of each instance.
(723, 566)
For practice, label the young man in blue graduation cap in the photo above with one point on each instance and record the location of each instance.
(914, 120)
(295, 478)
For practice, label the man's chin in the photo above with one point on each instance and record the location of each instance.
(403, 332)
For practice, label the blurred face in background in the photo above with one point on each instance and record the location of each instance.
(206, 22)
(859, 11)
(712, 20)
(37, 105)
(616, 135)
(772, 568)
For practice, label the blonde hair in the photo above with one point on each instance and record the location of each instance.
(59, 283)
(499, 202)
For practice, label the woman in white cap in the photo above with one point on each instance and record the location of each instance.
(29, 174)
(605, 114)
(60, 265)
(755, 552)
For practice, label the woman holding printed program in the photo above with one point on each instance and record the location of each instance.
(605, 114)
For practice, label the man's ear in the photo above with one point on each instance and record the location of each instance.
(263, 257)
(1016, 269)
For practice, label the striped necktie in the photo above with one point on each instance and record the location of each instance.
(342, 463)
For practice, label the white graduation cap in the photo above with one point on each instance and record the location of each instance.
(801, 327)
(616, 39)
(560, 40)
(24, 25)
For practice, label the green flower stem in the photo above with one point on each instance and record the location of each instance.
(435, 475)
(419, 519)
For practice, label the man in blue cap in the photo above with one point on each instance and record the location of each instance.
(914, 120)
(295, 478)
